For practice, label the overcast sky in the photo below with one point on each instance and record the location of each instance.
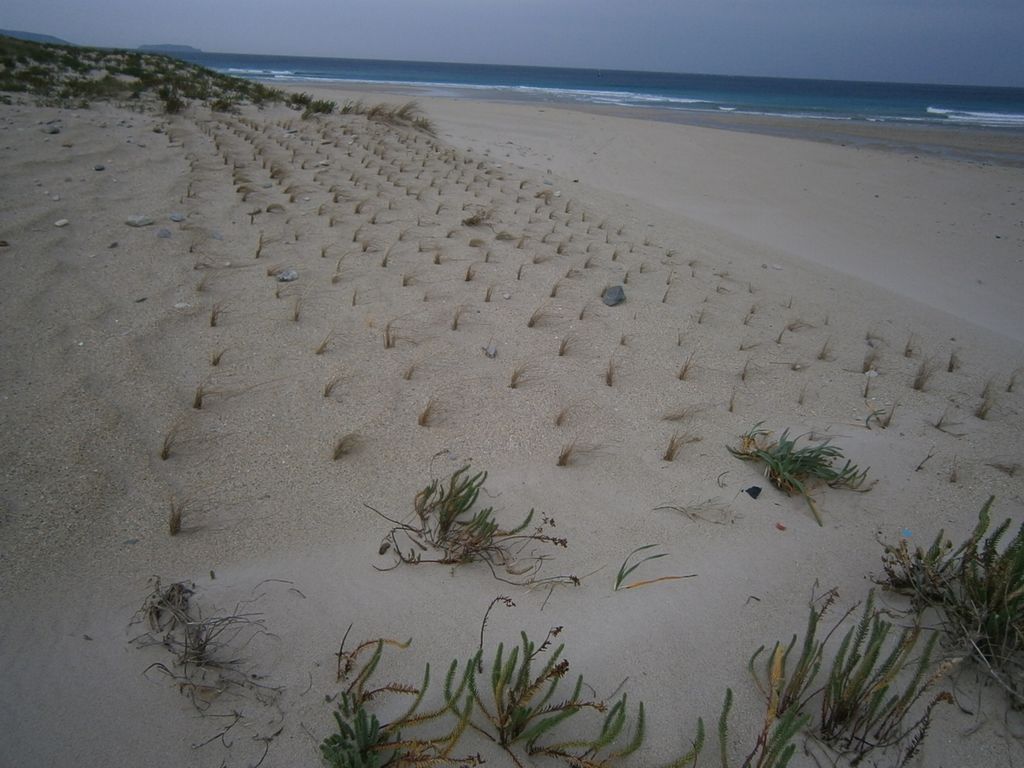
(944, 41)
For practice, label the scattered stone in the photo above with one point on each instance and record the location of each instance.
(55, 198)
(113, 245)
(616, 294)
(50, 129)
(99, 167)
(177, 216)
(163, 233)
(753, 491)
(490, 350)
(506, 295)
(4, 244)
(61, 223)
(138, 221)
(287, 276)
(183, 305)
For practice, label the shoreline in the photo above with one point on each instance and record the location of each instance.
(973, 144)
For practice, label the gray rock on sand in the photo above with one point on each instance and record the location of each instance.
(50, 129)
(138, 221)
(163, 232)
(287, 276)
(99, 167)
(614, 295)
(177, 216)
(491, 350)
(61, 223)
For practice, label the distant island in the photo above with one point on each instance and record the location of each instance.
(33, 37)
(166, 48)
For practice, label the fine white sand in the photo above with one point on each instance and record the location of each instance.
(774, 266)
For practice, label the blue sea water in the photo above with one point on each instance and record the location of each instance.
(955, 105)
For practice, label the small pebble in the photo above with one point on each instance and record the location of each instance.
(506, 295)
(138, 221)
(287, 276)
(61, 223)
(99, 167)
(163, 233)
(177, 216)
(55, 198)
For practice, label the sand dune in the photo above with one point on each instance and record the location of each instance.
(143, 371)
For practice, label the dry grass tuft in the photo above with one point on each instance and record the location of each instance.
(825, 353)
(322, 346)
(520, 375)
(331, 384)
(686, 368)
(675, 444)
(428, 413)
(562, 416)
(987, 403)
(538, 315)
(925, 371)
(345, 445)
(169, 441)
(609, 373)
(457, 315)
(870, 361)
(390, 337)
(215, 312)
(568, 454)
(215, 357)
(681, 413)
(175, 515)
(567, 341)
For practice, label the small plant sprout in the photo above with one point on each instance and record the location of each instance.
(215, 312)
(609, 373)
(627, 568)
(215, 357)
(344, 446)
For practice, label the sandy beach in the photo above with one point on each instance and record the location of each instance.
(446, 310)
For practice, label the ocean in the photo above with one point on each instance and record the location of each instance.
(953, 105)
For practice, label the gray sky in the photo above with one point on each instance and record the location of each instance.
(946, 41)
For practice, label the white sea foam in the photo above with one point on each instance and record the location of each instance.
(990, 119)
